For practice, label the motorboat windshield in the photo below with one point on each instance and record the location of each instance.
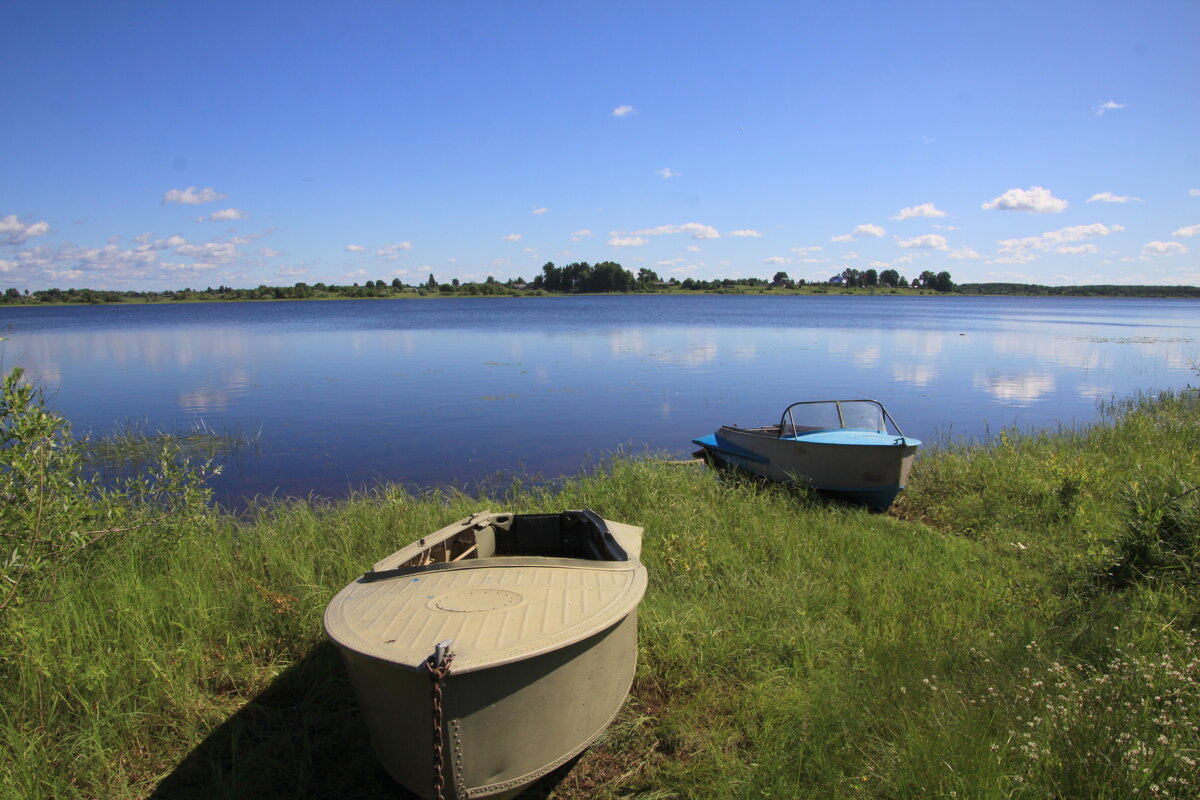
(823, 415)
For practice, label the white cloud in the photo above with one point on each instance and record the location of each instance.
(7, 266)
(354, 248)
(1194, 192)
(1163, 249)
(1017, 277)
(1016, 257)
(1190, 230)
(512, 237)
(577, 235)
(667, 172)
(540, 210)
(1034, 199)
(915, 212)
(1109, 106)
(807, 249)
(627, 241)
(225, 214)
(698, 231)
(393, 251)
(191, 196)
(623, 111)
(693, 248)
(930, 241)
(1020, 250)
(963, 253)
(745, 234)
(1077, 250)
(15, 232)
(865, 229)
(777, 260)
(694, 229)
(1109, 197)
(270, 252)
(210, 252)
(290, 272)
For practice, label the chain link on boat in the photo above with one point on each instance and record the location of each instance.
(438, 665)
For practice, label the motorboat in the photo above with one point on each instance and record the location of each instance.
(850, 449)
(494, 650)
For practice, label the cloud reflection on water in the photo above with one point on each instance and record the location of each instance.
(914, 374)
(919, 343)
(1016, 390)
(204, 401)
(868, 357)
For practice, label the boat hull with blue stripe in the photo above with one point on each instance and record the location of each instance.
(850, 449)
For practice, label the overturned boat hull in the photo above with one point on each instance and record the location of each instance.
(542, 648)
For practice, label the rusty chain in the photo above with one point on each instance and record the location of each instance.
(438, 665)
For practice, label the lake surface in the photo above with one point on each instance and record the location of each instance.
(345, 394)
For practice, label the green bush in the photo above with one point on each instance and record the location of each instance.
(52, 508)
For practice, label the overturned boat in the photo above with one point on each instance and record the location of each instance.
(850, 449)
(491, 652)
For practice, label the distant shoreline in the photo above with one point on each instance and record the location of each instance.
(83, 297)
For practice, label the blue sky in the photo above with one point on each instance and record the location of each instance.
(157, 145)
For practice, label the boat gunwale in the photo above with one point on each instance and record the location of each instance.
(771, 432)
(549, 562)
(498, 521)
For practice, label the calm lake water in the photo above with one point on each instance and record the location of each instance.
(344, 394)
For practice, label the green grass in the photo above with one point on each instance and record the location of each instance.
(1021, 625)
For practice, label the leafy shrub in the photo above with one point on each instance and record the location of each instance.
(52, 509)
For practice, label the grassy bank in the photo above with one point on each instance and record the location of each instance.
(1022, 624)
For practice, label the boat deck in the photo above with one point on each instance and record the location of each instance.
(501, 591)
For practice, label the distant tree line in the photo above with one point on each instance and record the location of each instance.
(608, 276)
(891, 279)
(299, 291)
(582, 277)
(1098, 290)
